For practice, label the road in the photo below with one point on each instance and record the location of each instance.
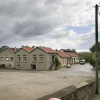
(30, 84)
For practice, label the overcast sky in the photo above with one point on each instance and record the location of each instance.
(59, 24)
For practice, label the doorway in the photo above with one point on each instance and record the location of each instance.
(52, 58)
(33, 66)
(2, 66)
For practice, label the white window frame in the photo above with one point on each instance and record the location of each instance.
(7, 58)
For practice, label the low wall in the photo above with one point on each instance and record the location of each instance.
(82, 91)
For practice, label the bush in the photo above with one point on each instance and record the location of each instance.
(92, 49)
(92, 62)
(57, 63)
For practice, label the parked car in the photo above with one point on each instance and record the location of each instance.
(82, 61)
(68, 66)
(77, 61)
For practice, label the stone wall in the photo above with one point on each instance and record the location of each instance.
(82, 91)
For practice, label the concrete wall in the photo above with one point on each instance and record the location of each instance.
(37, 63)
(60, 60)
(82, 91)
(7, 58)
(74, 60)
(22, 59)
(64, 61)
(38, 58)
(50, 61)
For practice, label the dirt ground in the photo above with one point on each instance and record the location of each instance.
(30, 84)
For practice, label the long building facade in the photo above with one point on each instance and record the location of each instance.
(39, 58)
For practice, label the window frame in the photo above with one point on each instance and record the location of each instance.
(18, 58)
(7, 59)
(2, 58)
(11, 58)
(41, 60)
(34, 58)
(25, 58)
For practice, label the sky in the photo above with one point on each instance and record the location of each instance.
(58, 24)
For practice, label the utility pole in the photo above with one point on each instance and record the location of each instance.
(96, 48)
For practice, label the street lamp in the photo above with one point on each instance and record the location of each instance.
(96, 47)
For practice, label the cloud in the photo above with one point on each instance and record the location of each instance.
(45, 23)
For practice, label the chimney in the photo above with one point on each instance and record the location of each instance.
(56, 50)
(15, 48)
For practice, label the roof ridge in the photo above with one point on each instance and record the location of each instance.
(27, 47)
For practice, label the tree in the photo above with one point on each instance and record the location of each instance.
(74, 50)
(3, 47)
(57, 63)
(92, 62)
(33, 46)
(92, 49)
(85, 55)
(68, 49)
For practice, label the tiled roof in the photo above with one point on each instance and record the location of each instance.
(62, 54)
(29, 49)
(13, 49)
(47, 49)
(9, 48)
(72, 54)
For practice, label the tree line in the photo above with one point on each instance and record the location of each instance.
(88, 56)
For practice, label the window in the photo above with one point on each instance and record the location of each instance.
(50, 58)
(7, 59)
(18, 58)
(25, 59)
(34, 58)
(11, 58)
(63, 60)
(41, 58)
(2, 58)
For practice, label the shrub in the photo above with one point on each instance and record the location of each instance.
(57, 63)
(92, 62)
